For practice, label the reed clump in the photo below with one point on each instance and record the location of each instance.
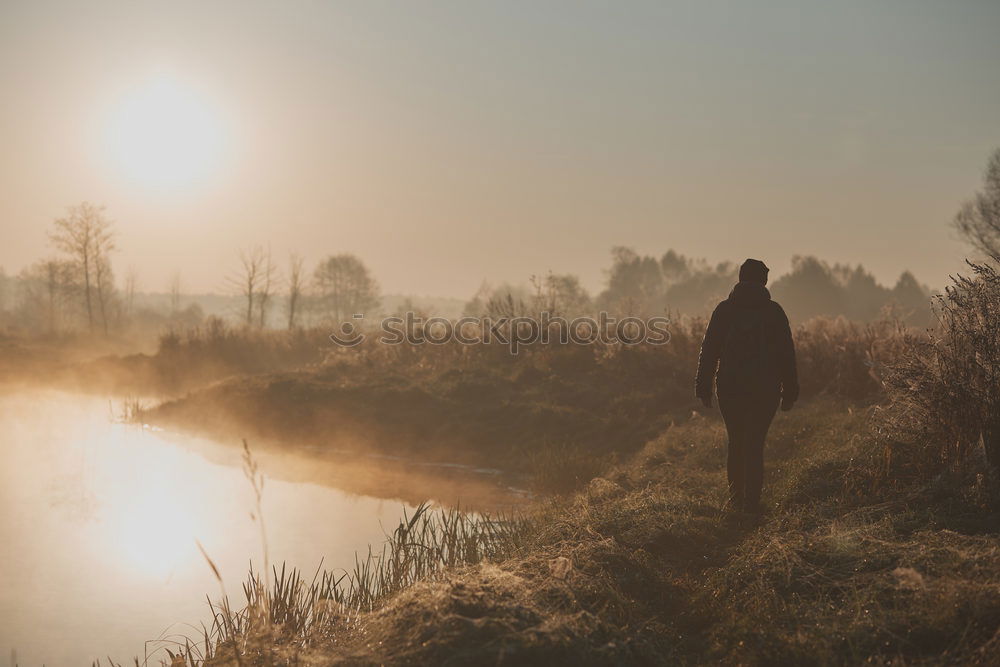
(130, 410)
(290, 613)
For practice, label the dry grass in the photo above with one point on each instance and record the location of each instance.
(642, 567)
(945, 392)
(286, 614)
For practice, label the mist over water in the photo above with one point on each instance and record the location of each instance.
(99, 523)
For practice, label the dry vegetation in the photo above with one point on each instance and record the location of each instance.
(879, 543)
(557, 413)
(285, 616)
(641, 567)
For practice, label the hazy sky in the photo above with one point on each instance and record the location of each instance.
(448, 142)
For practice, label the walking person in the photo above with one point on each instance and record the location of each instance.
(749, 355)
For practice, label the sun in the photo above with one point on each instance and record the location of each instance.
(164, 135)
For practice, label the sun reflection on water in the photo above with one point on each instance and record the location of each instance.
(149, 513)
(104, 518)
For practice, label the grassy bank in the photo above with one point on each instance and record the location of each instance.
(642, 567)
(522, 418)
(559, 413)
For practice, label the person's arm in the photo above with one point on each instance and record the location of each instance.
(788, 368)
(708, 360)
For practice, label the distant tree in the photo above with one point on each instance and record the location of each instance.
(7, 292)
(635, 283)
(268, 278)
(131, 285)
(190, 316)
(695, 286)
(499, 302)
(675, 267)
(175, 294)
(344, 287)
(296, 287)
(978, 221)
(809, 290)
(104, 284)
(863, 298)
(476, 306)
(46, 287)
(674, 282)
(814, 288)
(87, 236)
(561, 294)
(913, 298)
(247, 281)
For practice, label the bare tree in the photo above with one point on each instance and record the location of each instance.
(560, 294)
(87, 236)
(978, 221)
(296, 285)
(175, 294)
(344, 287)
(54, 275)
(104, 284)
(45, 288)
(131, 284)
(248, 279)
(268, 276)
(53, 287)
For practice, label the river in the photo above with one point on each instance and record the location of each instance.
(100, 524)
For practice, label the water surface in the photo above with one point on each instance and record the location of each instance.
(99, 525)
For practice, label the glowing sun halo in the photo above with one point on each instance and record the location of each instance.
(163, 135)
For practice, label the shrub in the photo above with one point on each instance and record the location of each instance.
(945, 390)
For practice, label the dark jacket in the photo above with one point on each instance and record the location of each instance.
(777, 373)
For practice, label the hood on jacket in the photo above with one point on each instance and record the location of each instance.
(749, 294)
(753, 271)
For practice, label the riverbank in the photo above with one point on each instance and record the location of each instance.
(642, 567)
(556, 429)
(560, 414)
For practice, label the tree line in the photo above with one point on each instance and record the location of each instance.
(340, 287)
(75, 289)
(674, 284)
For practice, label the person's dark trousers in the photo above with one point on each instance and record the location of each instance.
(747, 417)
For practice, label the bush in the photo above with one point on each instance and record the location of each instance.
(945, 391)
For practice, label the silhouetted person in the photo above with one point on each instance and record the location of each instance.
(749, 341)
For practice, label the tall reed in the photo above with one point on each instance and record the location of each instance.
(292, 612)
